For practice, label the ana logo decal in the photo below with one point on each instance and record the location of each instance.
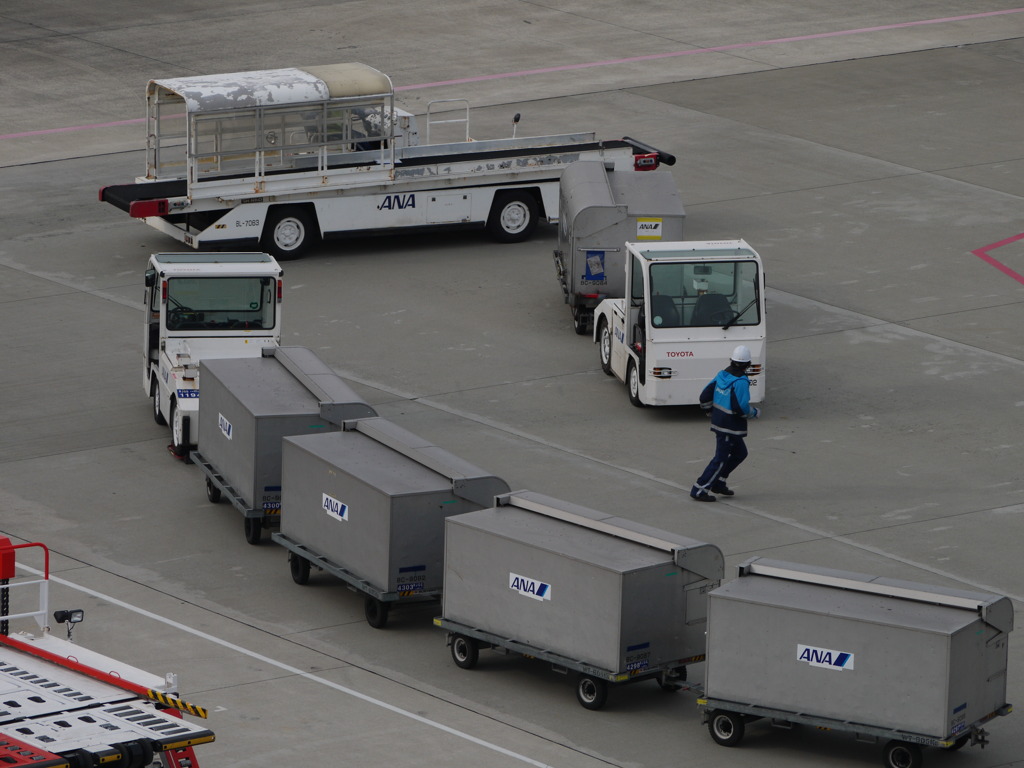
(648, 229)
(531, 588)
(335, 508)
(397, 202)
(225, 426)
(824, 657)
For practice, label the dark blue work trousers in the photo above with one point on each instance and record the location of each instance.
(730, 451)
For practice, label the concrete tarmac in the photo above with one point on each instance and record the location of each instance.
(872, 153)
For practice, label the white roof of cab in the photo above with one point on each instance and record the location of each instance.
(269, 87)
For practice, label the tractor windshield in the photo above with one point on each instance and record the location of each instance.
(221, 303)
(710, 293)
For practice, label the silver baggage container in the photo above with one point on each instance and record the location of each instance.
(368, 504)
(581, 588)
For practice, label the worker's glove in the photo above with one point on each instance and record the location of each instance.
(754, 413)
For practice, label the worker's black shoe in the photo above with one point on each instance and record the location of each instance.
(702, 497)
(723, 489)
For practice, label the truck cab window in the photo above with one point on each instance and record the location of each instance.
(243, 303)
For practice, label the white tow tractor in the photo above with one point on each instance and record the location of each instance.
(277, 159)
(687, 305)
(203, 306)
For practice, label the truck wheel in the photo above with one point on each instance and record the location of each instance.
(212, 492)
(465, 651)
(289, 232)
(179, 443)
(591, 692)
(299, 567)
(376, 612)
(154, 392)
(902, 754)
(253, 529)
(726, 728)
(580, 320)
(604, 340)
(633, 384)
(513, 216)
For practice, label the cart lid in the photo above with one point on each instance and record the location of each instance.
(274, 87)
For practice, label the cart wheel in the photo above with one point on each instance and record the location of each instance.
(633, 384)
(253, 530)
(513, 216)
(212, 491)
(465, 651)
(376, 612)
(604, 339)
(580, 321)
(154, 392)
(299, 567)
(902, 754)
(591, 692)
(726, 728)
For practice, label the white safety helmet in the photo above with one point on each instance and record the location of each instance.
(741, 354)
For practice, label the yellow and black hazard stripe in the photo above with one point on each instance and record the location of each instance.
(173, 702)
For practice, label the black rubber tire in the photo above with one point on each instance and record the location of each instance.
(465, 651)
(289, 232)
(726, 728)
(633, 383)
(179, 445)
(604, 344)
(154, 393)
(253, 527)
(591, 692)
(134, 754)
(902, 754)
(299, 566)
(212, 492)
(581, 320)
(376, 612)
(513, 216)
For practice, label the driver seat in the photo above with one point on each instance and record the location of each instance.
(709, 305)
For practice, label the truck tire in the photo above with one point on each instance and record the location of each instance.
(513, 216)
(604, 341)
(179, 441)
(726, 728)
(376, 612)
(289, 232)
(591, 692)
(465, 651)
(633, 383)
(154, 392)
(581, 320)
(299, 567)
(253, 527)
(212, 492)
(902, 754)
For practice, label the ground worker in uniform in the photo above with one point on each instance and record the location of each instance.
(727, 396)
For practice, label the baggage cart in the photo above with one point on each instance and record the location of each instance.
(368, 506)
(601, 210)
(602, 596)
(249, 405)
(909, 664)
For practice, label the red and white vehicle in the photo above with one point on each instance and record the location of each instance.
(65, 706)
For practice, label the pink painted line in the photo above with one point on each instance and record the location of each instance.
(715, 49)
(593, 64)
(984, 255)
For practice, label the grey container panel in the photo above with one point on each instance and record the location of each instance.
(600, 212)
(262, 402)
(611, 602)
(392, 534)
(906, 671)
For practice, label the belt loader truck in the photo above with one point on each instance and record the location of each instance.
(203, 306)
(685, 307)
(278, 159)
